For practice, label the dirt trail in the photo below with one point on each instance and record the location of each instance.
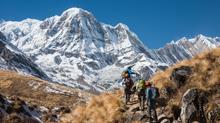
(134, 114)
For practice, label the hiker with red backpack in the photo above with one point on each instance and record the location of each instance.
(152, 93)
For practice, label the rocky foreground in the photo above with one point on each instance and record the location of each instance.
(26, 99)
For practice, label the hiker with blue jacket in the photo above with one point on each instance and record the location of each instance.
(128, 82)
(151, 94)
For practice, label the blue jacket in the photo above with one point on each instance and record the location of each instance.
(130, 71)
(149, 95)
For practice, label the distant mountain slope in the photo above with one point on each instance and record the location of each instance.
(12, 59)
(77, 50)
(185, 48)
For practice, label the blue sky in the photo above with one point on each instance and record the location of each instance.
(156, 22)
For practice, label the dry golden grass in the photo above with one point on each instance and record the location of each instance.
(205, 74)
(105, 108)
(206, 71)
(34, 90)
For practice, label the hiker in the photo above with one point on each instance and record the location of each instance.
(140, 89)
(127, 90)
(128, 82)
(151, 94)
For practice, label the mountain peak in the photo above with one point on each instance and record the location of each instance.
(183, 39)
(200, 36)
(30, 20)
(121, 25)
(75, 11)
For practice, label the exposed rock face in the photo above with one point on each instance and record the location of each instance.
(192, 106)
(180, 75)
(12, 59)
(17, 111)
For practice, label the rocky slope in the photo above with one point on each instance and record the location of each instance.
(27, 98)
(77, 50)
(12, 59)
(24, 112)
(193, 88)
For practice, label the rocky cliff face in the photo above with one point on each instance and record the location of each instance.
(12, 59)
(77, 50)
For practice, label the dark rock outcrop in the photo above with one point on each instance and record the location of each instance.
(15, 110)
(193, 102)
(180, 75)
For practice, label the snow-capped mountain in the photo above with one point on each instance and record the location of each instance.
(12, 59)
(184, 49)
(77, 50)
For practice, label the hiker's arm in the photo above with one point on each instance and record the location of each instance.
(132, 72)
(138, 74)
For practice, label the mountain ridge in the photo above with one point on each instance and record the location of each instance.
(77, 50)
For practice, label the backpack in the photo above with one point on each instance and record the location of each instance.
(128, 82)
(155, 92)
(140, 85)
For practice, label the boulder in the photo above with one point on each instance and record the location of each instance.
(214, 115)
(164, 119)
(180, 75)
(192, 104)
(61, 110)
(176, 112)
(167, 92)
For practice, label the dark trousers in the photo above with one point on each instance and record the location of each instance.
(127, 92)
(141, 98)
(152, 110)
